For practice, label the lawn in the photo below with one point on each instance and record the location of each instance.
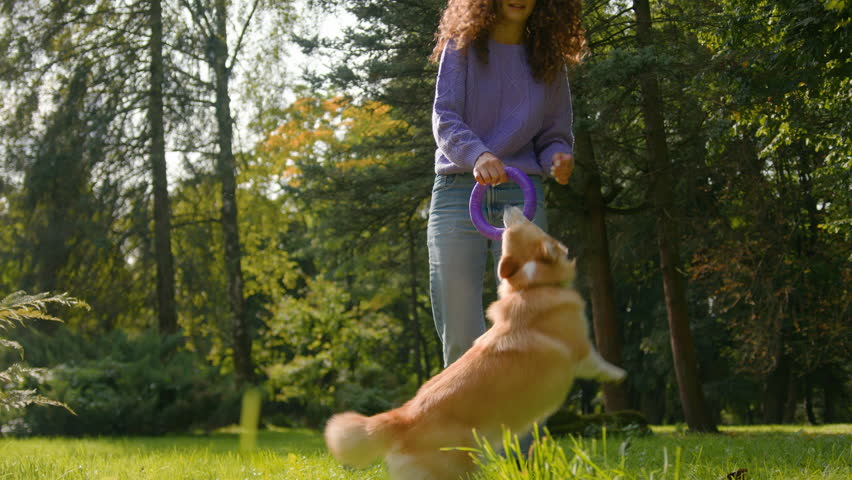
(775, 453)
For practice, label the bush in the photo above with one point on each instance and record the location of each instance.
(118, 385)
(369, 389)
(323, 353)
(628, 422)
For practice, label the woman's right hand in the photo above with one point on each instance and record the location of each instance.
(489, 170)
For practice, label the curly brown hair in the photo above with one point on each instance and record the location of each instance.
(554, 36)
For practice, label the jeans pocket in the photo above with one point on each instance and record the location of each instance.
(443, 182)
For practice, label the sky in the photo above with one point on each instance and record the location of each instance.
(327, 24)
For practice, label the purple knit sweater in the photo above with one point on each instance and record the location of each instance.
(499, 108)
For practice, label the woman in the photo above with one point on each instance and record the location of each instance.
(502, 99)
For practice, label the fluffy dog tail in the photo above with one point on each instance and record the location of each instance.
(357, 440)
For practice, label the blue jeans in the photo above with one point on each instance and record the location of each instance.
(458, 255)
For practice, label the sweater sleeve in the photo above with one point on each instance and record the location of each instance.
(453, 136)
(557, 133)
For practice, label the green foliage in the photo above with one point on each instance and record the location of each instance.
(22, 309)
(756, 102)
(122, 385)
(773, 248)
(348, 215)
(324, 353)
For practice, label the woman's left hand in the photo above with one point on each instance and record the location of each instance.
(563, 166)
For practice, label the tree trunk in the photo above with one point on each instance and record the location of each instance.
(166, 309)
(597, 259)
(418, 339)
(809, 402)
(661, 190)
(776, 391)
(791, 401)
(226, 170)
(651, 405)
(831, 388)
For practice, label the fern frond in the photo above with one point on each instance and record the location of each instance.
(17, 373)
(13, 345)
(19, 307)
(22, 398)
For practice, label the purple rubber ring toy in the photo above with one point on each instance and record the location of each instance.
(485, 228)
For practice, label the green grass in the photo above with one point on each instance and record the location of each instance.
(773, 453)
(767, 452)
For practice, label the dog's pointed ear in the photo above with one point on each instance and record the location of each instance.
(549, 251)
(572, 272)
(513, 216)
(508, 266)
(552, 251)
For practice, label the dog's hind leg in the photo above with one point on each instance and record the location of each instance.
(596, 368)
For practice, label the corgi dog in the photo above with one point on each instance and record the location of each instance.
(517, 373)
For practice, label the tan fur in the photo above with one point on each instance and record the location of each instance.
(516, 373)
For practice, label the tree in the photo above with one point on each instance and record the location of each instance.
(73, 68)
(686, 365)
(597, 259)
(69, 218)
(601, 28)
(166, 308)
(366, 225)
(777, 240)
(226, 171)
(384, 58)
(211, 32)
